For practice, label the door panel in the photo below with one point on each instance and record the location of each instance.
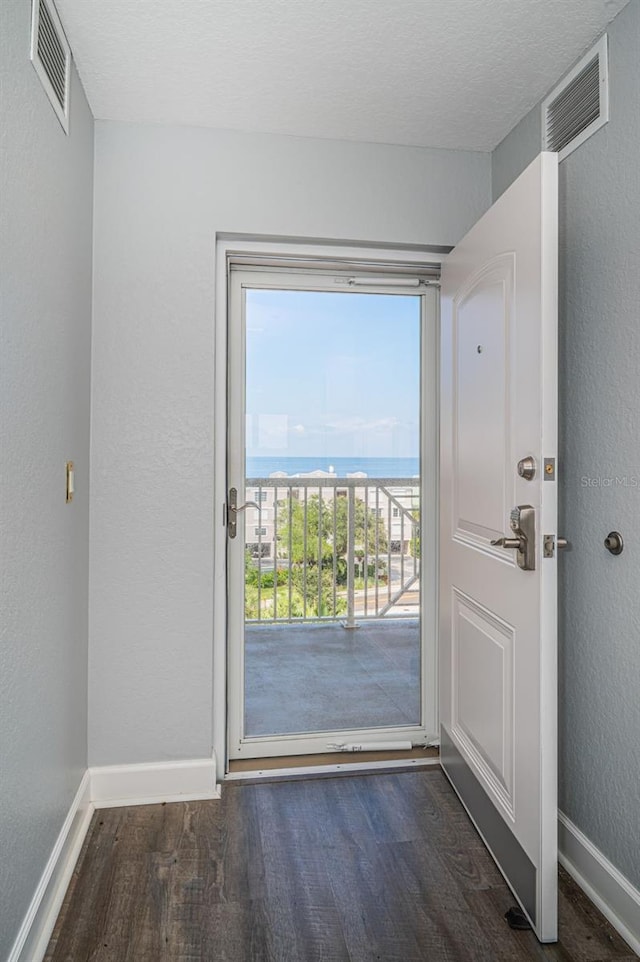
(482, 319)
(497, 676)
(482, 698)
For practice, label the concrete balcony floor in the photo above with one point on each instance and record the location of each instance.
(323, 677)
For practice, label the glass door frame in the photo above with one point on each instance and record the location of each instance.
(257, 277)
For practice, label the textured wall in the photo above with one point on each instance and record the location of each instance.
(516, 152)
(161, 193)
(600, 427)
(45, 327)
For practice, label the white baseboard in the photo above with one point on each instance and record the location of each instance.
(35, 931)
(104, 787)
(608, 889)
(153, 782)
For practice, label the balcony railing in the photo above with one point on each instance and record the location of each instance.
(332, 549)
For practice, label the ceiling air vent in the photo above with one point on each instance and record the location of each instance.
(51, 57)
(579, 105)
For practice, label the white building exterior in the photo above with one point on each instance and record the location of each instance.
(394, 504)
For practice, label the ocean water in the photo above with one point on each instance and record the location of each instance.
(262, 467)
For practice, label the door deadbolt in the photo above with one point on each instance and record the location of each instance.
(527, 468)
(523, 525)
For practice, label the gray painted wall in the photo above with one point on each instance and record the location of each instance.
(600, 432)
(161, 194)
(46, 184)
(516, 152)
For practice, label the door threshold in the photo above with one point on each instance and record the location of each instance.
(329, 765)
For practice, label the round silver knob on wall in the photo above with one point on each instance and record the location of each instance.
(614, 543)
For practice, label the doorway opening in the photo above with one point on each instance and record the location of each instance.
(331, 463)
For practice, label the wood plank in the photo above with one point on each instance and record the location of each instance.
(350, 869)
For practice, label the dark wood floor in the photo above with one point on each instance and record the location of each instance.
(382, 867)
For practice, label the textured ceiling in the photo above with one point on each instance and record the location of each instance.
(436, 73)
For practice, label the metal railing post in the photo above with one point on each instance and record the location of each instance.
(351, 558)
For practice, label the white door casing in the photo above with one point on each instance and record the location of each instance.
(497, 622)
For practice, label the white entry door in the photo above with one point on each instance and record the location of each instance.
(498, 534)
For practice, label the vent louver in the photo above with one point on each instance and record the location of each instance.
(51, 57)
(579, 104)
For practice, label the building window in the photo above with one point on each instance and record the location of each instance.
(259, 496)
(259, 532)
(396, 512)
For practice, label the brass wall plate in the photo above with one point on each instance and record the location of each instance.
(70, 482)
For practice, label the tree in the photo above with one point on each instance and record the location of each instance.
(290, 593)
(366, 520)
(320, 537)
(316, 550)
(291, 530)
(318, 603)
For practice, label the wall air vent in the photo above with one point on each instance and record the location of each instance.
(579, 105)
(51, 57)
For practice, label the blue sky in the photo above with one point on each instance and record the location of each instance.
(332, 374)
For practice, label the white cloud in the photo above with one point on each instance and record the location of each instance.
(349, 425)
